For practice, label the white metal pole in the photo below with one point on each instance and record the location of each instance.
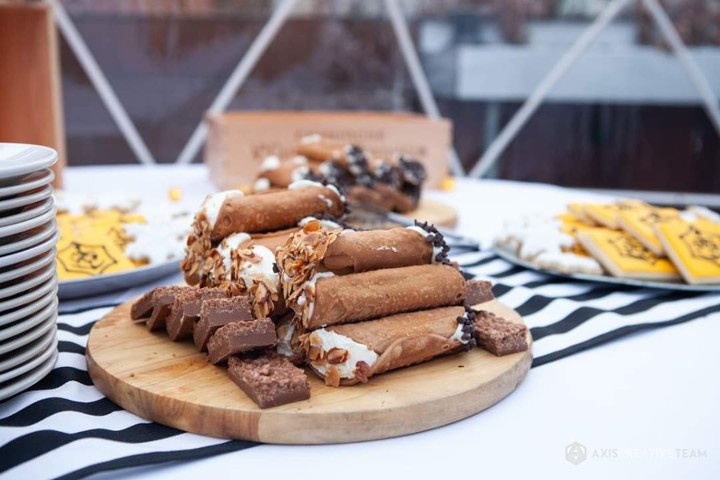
(417, 74)
(101, 84)
(699, 80)
(510, 131)
(238, 76)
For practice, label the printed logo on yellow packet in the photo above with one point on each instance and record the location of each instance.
(623, 256)
(694, 248)
(641, 225)
(93, 244)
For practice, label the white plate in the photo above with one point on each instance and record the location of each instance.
(37, 263)
(18, 159)
(16, 288)
(48, 325)
(28, 214)
(30, 252)
(19, 384)
(47, 281)
(31, 365)
(24, 318)
(27, 224)
(22, 200)
(26, 183)
(25, 240)
(668, 285)
(99, 284)
(27, 352)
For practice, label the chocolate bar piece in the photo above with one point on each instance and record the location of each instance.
(163, 299)
(240, 337)
(143, 307)
(499, 336)
(478, 291)
(269, 380)
(186, 309)
(218, 312)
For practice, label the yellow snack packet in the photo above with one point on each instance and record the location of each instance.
(605, 214)
(694, 248)
(641, 225)
(623, 256)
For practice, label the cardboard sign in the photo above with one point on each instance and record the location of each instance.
(239, 141)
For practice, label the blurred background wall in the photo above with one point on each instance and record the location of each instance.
(624, 117)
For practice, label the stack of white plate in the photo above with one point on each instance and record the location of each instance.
(28, 282)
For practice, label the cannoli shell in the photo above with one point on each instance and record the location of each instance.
(275, 211)
(405, 339)
(382, 196)
(354, 252)
(320, 151)
(273, 240)
(379, 293)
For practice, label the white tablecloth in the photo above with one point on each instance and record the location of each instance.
(644, 406)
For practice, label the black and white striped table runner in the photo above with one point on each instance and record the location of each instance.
(65, 417)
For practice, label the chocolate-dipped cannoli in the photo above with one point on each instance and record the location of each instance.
(278, 173)
(348, 354)
(350, 157)
(327, 299)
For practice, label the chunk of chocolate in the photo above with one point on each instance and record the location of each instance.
(163, 299)
(240, 337)
(186, 310)
(499, 336)
(478, 291)
(143, 307)
(269, 380)
(218, 312)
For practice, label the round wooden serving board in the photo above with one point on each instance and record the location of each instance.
(434, 212)
(173, 384)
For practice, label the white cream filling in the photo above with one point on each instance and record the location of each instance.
(314, 138)
(309, 287)
(227, 246)
(213, 203)
(284, 342)
(323, 223)
(299, 160)
(300, 184)
(299, 174)
(310, 184)
(261, 185)
(271, 162)
(458, 335)
(424, 234)
(357, 352)
(263, 268)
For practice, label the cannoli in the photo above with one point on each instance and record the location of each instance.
(277, 173)
(327, 299)
(350, 157)
(347, 354)
(244, 268)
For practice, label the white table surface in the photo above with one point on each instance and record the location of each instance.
(645, 406)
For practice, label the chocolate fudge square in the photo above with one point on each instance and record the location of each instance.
(269, 380)
(499, 336)
(186, 309)
(218, 312)
(239, 337)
